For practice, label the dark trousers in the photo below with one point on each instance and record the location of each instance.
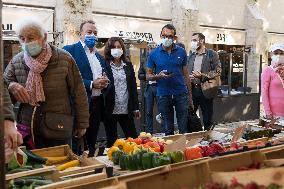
(150, 98)
(96, 113)
(126, 123)
(206, 106)
(166, 107)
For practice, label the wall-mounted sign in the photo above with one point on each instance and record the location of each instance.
(136, 35)
(7, 27)
(223, 36)
(238, 67)
(13, 14)
(126, 27)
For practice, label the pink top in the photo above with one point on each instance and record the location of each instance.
(272, 93)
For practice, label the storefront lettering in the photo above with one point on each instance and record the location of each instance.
(7, 27)
(136, 35)
(221, 37)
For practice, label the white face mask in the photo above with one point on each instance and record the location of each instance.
(275, 59)
(167, 42)
(194, 46)
(116, 53)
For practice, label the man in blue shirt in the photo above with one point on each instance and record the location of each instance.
(173, 82)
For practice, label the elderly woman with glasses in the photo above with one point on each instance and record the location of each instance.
(272, 84)
(47, 84)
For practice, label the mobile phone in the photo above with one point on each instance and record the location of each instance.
(168, 73)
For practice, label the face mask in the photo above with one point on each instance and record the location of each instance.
(194, 46)
(32, 48)
(167, 42)
(116, 53)
(90, 40)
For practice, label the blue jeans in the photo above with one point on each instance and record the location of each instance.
(150, 97)
(166, 107)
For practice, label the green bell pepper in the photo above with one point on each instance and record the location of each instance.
(177, 156)
(147, 160)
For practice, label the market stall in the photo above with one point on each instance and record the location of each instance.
(206, 159)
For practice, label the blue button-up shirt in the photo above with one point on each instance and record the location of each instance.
(172, 62)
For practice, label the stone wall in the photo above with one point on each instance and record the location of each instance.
(185, 20)
(69, 14)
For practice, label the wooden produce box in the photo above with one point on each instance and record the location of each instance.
(49, 170)
(185, 177)
(232, 162)
(95, 184)
(75, 181)
(86, 164)
(261, 176)
(276, 152)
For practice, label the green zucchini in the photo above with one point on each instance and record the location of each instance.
(18, 170)
(34, 158)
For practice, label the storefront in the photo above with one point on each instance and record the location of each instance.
(11, 15)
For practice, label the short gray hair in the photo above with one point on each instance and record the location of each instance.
(30, 24)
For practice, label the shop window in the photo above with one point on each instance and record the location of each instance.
(11, 48)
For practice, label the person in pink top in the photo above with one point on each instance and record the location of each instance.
(272, 84)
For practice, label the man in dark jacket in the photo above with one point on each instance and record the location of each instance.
(150, 96)
(204, 65)
(93, 70)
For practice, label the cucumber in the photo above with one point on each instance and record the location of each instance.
(34, 158)
(18, 170)
(37, 182)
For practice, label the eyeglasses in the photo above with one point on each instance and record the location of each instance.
(168, 36)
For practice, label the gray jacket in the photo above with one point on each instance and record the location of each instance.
(210, 67)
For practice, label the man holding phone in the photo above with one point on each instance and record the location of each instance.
(173, 81)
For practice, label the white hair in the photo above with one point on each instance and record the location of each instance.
(31, 24)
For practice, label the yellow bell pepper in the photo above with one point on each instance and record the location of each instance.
(110, 151)
(129, 147)
(119, 143)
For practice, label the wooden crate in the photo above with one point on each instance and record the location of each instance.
(49, 170)
(86, 164)
(276, 153)
(75, 181)
(186, 177)
(261, 176)
(93, 184)
(233, 161)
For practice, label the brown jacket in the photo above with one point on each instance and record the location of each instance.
(62, 84)
(8, 106)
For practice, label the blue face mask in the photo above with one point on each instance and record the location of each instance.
(32, 48)
(90, 40)
(167, 42)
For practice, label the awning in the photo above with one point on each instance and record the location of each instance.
(129, 28)
(275, 38)
(12, 14)
(223, 36)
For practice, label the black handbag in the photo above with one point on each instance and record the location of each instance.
(52, 125)
(194, 122)
(56, 126)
